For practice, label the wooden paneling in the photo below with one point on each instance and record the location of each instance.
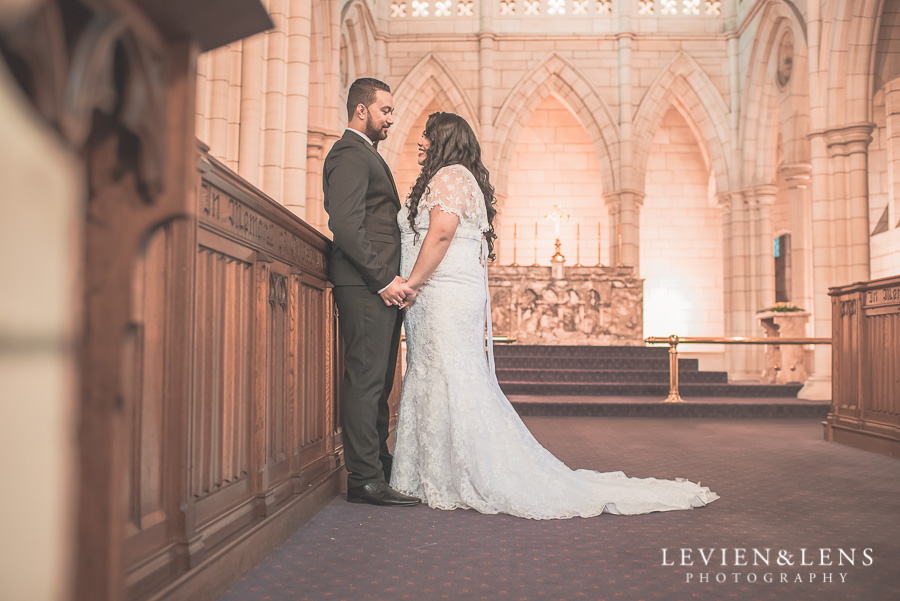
(253, 432)
(147, 404)
(866, 366)
(185, 414)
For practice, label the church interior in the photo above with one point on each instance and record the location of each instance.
(678, 183)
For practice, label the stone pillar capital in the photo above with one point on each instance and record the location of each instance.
(847, 140)
(315, 144)
(763, 195)
(615, 199)
(797, 175)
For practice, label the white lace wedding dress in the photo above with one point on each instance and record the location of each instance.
(460, 443)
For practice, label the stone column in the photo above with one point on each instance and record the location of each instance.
(487, 42)
(486, 79)
(327, 114)
(251, 108)
(624, 208)
(202, 104)
(847, 148)
(818, 386)
(892, 109)
(724, 201)
(760, 201)
(858, 139)
(624, 205)
(797, 178)
(293, 195)
(840, 231)
(315, 159)
(273, 133)
(217, 118)
(742, 362)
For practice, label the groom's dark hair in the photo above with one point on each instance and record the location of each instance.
(362, 91)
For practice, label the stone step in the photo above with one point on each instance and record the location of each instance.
(617, 406)
(520, 387)
(623, 376)
(623, 363)
(531, 350)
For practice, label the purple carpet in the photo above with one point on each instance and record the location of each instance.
(783, 488)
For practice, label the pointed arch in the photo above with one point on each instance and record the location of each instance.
(430, 79)
(850, 40)
(556, 75)
(357, 45)
(770, 110)
(684, 85)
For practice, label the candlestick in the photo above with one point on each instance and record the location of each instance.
(599, 245)
(577, 245)
(515, 242)
(535, 245)
(619, 253)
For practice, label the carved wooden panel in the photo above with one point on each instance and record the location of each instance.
(151, 502)
(312, 426)
(866, 366)
(278, 402)
(220, 419)
(880, 368)
(845, 374)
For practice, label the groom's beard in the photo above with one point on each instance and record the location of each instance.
(375, 133)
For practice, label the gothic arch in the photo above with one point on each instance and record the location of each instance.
(683, 84)
(770, 109)
(556, 75)
(357, 45)
(428, 80)
(847, 56)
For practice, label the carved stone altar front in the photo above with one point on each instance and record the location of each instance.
(784, 362)
(588, 306)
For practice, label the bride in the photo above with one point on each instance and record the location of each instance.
(460, 443)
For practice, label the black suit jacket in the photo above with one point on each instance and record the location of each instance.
(362, 203)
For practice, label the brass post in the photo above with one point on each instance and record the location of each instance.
(673, 397)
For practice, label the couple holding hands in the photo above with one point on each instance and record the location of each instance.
(423, 263)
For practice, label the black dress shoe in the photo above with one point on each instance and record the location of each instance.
(379, 493)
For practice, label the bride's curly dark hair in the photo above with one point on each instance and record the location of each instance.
(452, 142)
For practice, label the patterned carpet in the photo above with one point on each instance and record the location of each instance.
(782, 488)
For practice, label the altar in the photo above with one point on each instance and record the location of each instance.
(574, 305)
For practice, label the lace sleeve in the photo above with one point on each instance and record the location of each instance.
(449, 190)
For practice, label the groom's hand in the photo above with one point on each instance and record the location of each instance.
(395, 293)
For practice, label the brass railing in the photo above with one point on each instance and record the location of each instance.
(673, 341)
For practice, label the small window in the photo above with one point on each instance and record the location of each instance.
(782, 253)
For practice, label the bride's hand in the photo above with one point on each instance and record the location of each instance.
(410, 296)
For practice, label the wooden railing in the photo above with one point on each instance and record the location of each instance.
(865, 410)
(233, 390)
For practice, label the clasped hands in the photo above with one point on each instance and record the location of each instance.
(399, 293)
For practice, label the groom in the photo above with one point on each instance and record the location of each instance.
(362, 204)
